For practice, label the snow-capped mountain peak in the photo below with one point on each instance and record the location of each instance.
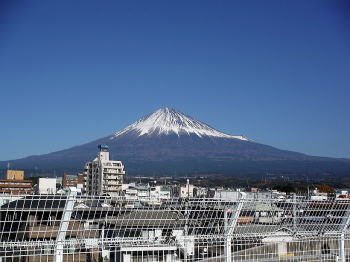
(167, 121)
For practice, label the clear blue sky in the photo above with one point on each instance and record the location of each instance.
(275, 71)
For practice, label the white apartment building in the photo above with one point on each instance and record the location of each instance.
(187, 190)
(102, 175)
(146, 193)
(160, 193)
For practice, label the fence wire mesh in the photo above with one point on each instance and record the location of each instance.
(102, 228)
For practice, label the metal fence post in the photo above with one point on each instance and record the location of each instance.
(294, 212)
(62, 231)
(342, 256)
(230, 224)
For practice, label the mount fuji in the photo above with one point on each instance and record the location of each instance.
(167, 121)
(167, 142)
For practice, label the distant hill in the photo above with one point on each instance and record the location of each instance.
(168, 142)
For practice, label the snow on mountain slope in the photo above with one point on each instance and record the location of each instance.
(167, 121)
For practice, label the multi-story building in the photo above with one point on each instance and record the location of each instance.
(15, 187)
(72, 180)
(102, 175)
(15, 184)
(187, 190)
(146, 193)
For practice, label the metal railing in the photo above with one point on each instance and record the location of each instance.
(102, 228)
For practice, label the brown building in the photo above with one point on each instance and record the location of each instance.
(72, 180)
(15, 184)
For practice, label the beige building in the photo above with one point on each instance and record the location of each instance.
(102, 175)
(15, 174)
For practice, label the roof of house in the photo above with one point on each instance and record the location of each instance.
(254, 206)
(48, 202)
(149, 218)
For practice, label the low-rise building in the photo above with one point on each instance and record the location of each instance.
(318, 196)
(146, 193)
(159, 194)
(15, 187)
(342, 195)
(15, 174)
(15, 184)
(46, 186)
(72, 180)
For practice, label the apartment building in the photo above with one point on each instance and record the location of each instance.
(102, 175)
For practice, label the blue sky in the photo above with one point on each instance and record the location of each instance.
(275, 71)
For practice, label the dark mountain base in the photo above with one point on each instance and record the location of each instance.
(194, 167)
(187, 154)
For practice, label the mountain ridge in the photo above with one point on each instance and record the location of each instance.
(167, 141)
